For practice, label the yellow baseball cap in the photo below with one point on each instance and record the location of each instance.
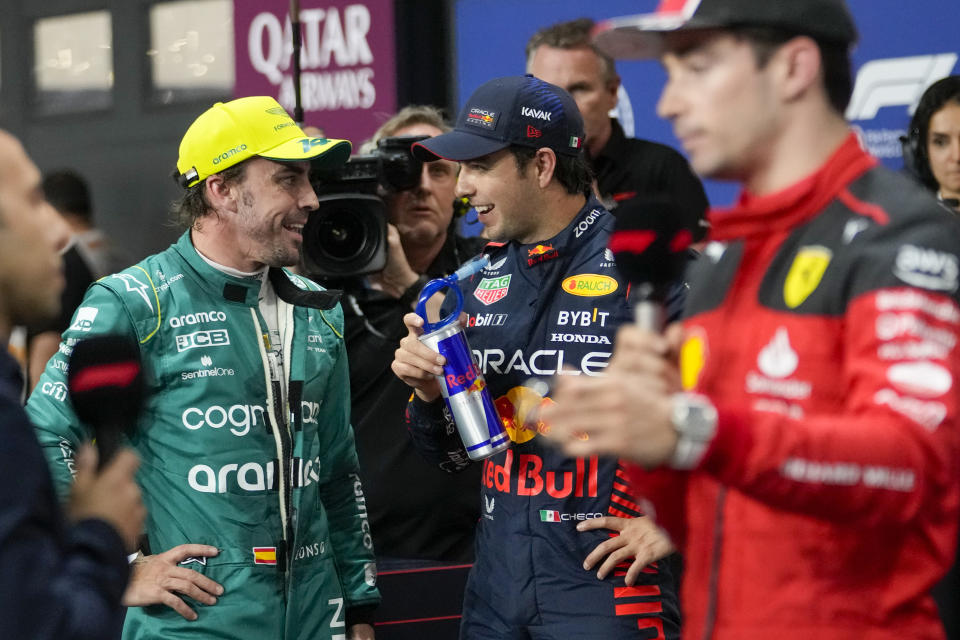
(230, 132)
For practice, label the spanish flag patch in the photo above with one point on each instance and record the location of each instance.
(265, 555)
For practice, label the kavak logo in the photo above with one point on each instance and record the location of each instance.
(492, 290)
(805, 274)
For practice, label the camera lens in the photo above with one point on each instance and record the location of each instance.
(346, 236)
(341, 235)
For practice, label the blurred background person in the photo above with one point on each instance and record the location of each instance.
(404, 492)
(63, 574)
(931, 148)
(82, 247)
(563, 54)
(798, 433)
(931, 152)
(69, 194)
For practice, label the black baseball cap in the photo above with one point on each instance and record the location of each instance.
(520, 110)
(641, 35)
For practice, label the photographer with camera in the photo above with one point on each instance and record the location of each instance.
(417, 210)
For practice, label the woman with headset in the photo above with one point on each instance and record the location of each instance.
(931, 150)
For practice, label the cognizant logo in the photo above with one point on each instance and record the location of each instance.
(240, 417)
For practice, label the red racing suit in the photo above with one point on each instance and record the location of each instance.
(822, 323)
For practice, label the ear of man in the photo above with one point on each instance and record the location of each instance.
(798, 68)
(221, 195)
(545, 164)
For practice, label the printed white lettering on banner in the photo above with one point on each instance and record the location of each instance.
(271, 45)
(331, 90)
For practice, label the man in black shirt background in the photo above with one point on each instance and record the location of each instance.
(562, 54)
(416, 511)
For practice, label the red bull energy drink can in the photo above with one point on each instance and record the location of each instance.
(466, 394)
(462, 385)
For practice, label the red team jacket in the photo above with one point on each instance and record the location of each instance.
(823, 323)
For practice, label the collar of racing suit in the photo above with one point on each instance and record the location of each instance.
(797, 203)
(247, 290)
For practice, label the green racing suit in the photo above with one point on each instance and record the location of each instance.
(224, 461)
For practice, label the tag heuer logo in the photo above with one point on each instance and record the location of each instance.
(491, 290)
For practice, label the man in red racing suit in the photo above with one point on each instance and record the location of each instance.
(809, 474)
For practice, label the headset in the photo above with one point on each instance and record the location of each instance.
(914, 154)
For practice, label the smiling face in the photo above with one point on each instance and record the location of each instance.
(722, 105)
(422, 214)
(272, 201)
(580, 72)
(943, 149)
(507, 200)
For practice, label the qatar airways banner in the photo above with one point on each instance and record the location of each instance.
(904, 47)
(347, 61)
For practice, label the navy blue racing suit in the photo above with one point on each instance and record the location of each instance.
(536, 309)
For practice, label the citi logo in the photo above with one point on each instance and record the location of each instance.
(535, 113)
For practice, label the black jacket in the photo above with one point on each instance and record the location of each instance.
(58, 581)
(416, 511)
(628, 167)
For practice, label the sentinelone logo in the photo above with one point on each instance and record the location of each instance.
(893, 82)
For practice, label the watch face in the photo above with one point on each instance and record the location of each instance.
(694, 416)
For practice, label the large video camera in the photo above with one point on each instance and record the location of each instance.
(347, 235)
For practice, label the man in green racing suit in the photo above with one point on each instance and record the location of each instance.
(244, 437)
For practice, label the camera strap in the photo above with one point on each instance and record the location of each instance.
(292, 294)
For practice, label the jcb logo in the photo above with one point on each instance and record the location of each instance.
(213, 338)
(892, 82)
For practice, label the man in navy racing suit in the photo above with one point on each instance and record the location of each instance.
(551, 299)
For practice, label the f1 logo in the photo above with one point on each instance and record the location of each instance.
(892, 82)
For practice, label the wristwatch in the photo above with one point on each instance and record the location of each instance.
(694, 419)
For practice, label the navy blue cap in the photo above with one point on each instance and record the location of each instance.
(520, 110)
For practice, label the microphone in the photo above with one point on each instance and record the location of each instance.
(649, 243)
(105, 382)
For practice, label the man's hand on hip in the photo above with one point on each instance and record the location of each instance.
(158, 579)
